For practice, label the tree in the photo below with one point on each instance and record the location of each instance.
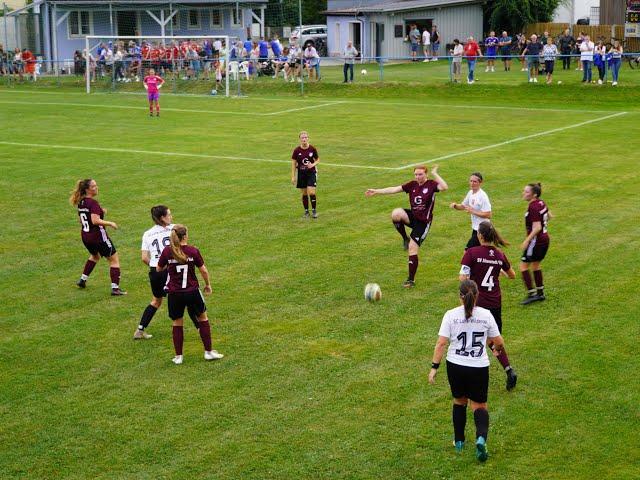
(513, 15)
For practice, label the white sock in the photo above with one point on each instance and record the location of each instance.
(84, 277)
(114, 285)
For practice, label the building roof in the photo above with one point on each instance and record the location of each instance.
(399, 6)
(105, 3)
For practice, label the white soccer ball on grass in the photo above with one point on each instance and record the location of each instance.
(363, 71)
(372, 292)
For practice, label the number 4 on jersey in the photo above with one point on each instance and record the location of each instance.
(487, 281)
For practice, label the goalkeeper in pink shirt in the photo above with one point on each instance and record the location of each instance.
(153, 84)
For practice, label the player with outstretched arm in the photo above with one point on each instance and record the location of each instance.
(181, 260)
(477, 204)
(467, 330)
(304, 174)
(152, 84)
(484, 264)
(94, 233)
(422, 197)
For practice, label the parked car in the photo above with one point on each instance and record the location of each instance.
(315, 34)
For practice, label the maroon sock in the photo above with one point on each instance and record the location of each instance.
(413, 266)
(305, 202)
(205, 335)
(114, 273)
(88, 267)
(178, 339)
(526, 278)
(537, 276)
(503, 359)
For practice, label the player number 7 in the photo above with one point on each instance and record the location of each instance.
(184, 269)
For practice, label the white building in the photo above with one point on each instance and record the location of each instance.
(573, 10)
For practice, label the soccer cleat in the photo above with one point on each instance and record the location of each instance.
(314, 214)
(306, 214)
(141, 335)
(481, 449)
(213, 355)
(116, 292)
(177, 359)
(157, 114)
(541, 297)
(512, 379)
(81, 283)
(409, 284)
(405, 243)
(459, 446)
(529, 299)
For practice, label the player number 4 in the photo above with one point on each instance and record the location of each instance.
(487, 281)
(184, 269)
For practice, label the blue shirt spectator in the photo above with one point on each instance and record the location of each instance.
(263, 47)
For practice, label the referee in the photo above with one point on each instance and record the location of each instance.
(467, 329)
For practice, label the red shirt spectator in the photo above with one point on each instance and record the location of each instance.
(471, 49)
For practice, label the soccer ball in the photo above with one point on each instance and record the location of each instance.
(372, 292)
(214, 92)
(559, 82)
(363, 71)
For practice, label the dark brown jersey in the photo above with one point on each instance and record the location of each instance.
(91, 233)
(483, 265)
(537, 212)
(181, 277)
(304, 157)
(422, 198)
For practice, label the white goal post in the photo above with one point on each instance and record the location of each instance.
(93, 42)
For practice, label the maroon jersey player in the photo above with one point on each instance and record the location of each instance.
(303, 173)
(483, 264)
(94, 234)
(181, 260)
(536, 243)
(422, 197)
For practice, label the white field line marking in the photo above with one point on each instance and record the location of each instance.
(301, 108)
(182, 154)
(513, 140)
(306, 100)
(165, 109)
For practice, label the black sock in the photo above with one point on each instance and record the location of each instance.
(459, 421)
(147, 315)
(305, 202)
(401, 230)
(481, 417)
(313, 201)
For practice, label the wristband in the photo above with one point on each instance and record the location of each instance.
(435, 365)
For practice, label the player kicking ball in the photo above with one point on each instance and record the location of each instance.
(422, 198)
(152, 84)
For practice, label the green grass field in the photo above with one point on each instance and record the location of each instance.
(316, 382)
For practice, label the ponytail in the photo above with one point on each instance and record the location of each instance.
(536, 188)
(178, 232)
(158, 212)
(491, 235)
(80, 191)
(468, 295)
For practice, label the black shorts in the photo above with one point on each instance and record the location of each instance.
(179, 301)
(419, 230)
(158, 280)
(548, 66)
(473, 240)
(469, 382)
(535, 252)
(497, 315)
(104, 249)
(307, 178)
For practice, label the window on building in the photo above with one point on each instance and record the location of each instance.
(236, 17)
(194, 20)
(216, 18)
(80, 24)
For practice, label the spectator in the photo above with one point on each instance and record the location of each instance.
(254, 57)
(3, 61)
(543, 38)
(505, 50)
(586, 58)
(491, 44)
(616, 59)
(17, 64)
(263, 48)
(295, 63)
(426, 45)
(435, 43)
(312, 61)
(456, 63)
(29, 61)
(599, 60)
(549, 52)
(532, 53)
(280, 63)
(117, 65)
(576, 49)
(471, 52)
(522, 44)
(566, 43)
(414, 38)
(90, 59)
(350, 53)
(248, 46)
(276, 46)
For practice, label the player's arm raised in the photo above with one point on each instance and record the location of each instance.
(383, 191)
(442, 185)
